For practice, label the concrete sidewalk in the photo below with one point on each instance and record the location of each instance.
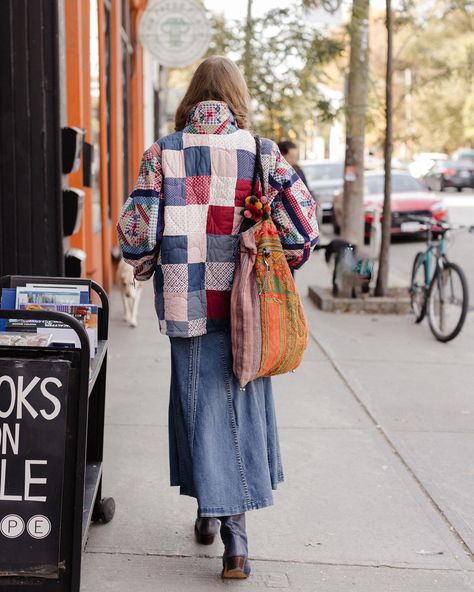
(377, 441)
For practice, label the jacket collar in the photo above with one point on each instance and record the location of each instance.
(211, 117)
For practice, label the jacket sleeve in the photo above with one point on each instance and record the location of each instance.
(293, 210)
(140, 225)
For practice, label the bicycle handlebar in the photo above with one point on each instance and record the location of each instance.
(432, 222)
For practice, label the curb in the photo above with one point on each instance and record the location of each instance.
(397, 302)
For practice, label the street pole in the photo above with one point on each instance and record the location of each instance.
(382, 276)
(356, 107)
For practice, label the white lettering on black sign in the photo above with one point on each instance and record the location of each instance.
(33, 397)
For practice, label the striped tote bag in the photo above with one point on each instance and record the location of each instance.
(268, 325)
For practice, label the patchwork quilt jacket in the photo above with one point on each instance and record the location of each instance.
(181, 222)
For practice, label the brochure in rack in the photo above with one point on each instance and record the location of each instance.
(72, 299)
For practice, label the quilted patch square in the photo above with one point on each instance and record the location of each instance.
(243, 188)
(175, 277)
(197, 305)
(197, 327)
(174, 249)
(223, 162)
(245, 164)
(241, 139)
(148, 176)
(197, 248)
(218, 304)
(222, 191)
(196, 218)
(172, 142)
(198, 190)
(175, 221)
(172, 163)
(175, 328)
(138, 223)
(176, 306)
(266, 146)
(221, 247)
(190, 140)
(196, 275)
(158, 279)
(160, 305)
(219, 275)
(197, 161)
(220, 220)
(174, 191)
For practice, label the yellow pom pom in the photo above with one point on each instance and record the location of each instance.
(247, 199)
(259, 205)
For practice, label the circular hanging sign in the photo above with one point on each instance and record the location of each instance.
(176, 32)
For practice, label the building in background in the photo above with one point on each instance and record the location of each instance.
(68, 64)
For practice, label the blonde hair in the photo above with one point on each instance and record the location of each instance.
(216, 79)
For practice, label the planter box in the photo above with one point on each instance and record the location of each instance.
(396, 302)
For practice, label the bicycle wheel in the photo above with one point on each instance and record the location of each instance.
(418, 288)
(448, 301)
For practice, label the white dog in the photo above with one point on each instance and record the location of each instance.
(130, 290)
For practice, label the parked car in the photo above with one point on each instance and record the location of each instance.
(325, 178)
(450, 173)
(466, 154)
(409, 198)
(423, 162)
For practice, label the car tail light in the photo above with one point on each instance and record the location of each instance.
(438, 212)
(449, 172)
(440, 215)
(369, 217)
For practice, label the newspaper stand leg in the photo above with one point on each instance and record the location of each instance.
(52, 403)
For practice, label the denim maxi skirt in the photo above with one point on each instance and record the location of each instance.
(223, 441)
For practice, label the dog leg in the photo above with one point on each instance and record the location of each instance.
(134, 312)
(125, 307)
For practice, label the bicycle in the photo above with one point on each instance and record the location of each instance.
(442, 293)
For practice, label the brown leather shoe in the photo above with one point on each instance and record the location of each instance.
(205, 530)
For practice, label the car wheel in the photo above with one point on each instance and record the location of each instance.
(459, 189)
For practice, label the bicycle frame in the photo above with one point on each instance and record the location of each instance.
(436, 250)
(423, 286)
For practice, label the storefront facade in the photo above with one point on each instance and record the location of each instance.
(104, 64)
(67, 64)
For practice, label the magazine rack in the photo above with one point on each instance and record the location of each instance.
(41, 537)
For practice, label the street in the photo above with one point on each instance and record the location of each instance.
(460, 207)
(377, 442)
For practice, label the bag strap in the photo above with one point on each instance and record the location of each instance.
(257, 175)
(258, 168)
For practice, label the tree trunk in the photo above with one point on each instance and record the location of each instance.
(382, 276)
(248, 43)
(356, 107)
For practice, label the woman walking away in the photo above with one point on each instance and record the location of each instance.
(181, 225)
